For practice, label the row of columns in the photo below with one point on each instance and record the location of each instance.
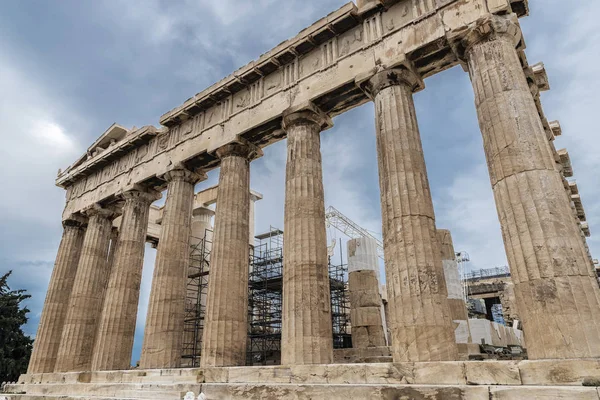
(555, 290)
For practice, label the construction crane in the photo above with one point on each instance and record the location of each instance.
(350, 228)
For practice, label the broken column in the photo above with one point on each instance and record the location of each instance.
(363, 288)
(89, 287)
(557, 296)
(456, 298)
(114, 342)
(47, 340)
(195, 302)
(420, 322)
(226, 321)
(166, 310)
(307, 335)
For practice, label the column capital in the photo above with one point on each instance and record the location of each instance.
(308, 114)
(75, 221)
(403, 74)
(97, 210)
(140, 194)
(180, 173)
(240, 148)
(203, 212)
(489, 27)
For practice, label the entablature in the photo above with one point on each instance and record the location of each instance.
(106, 150)
(318, 68)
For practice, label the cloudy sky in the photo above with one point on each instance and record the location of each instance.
(70, 68)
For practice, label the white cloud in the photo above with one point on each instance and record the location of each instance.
(35, 143)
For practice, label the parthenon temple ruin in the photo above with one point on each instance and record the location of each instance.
(234, 314)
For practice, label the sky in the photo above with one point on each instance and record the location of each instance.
(71, 68)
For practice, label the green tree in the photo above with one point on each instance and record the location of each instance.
(15, 346)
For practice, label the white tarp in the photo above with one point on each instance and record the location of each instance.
(494, 333)
(453, 281)
(461, 332)
(362, 255)
(481, 329)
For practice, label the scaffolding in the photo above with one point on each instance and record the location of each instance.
(195, 302)
(265, 299)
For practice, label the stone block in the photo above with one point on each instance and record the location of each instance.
(440, 373)
(342, 392)
(542, 393)
(346, 373)
(216, 375)
(111, 376)
(558, 372)
(365, 316)
(308, 373)
(245, 374)
(434, 393)
(492, 373)
(364, 298)
(400, 373)
(498, 6)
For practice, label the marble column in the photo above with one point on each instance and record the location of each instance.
(456, 299)
(307, 336)
(85, 305)
(166, 310)
(366, 307)
(420, 323)
(557, 296)
(114, 341)
(47, 340)
(226, 321)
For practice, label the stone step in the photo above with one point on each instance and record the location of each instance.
(393, 392)
(229, 391)
(62, 397)
(126, 390)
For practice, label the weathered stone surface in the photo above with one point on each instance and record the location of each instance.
(529, 393)
(47, 340)
(555, 372)
(89, 287)
(430, 380)
(439, 373)
(456, 302)
(420, 322)
(225, 326)
(366, 314)
(343, 392)
(116, 330)
(306, 327)
(165, 320)
(492, 373)
(557, 296)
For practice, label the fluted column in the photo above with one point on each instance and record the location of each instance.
(166, 310)
(114, 342)
(420, 323)
(556, 292)
(456, 299)
(306, 336)
(226, 321)
(85, 305)
(47, 340)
